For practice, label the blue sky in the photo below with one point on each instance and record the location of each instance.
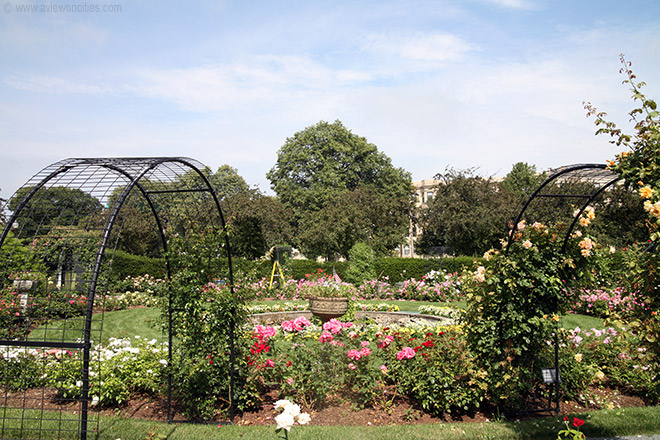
(434, 84)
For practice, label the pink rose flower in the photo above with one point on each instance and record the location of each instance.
(405, 353)
(354, 354)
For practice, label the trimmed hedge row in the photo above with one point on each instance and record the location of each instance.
(125, 264)
(395, 269)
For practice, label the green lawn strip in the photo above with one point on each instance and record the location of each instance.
(141, 321)
(586, 323)
(626, 421)
(618, 422)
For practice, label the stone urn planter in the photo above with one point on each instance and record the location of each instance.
(327, 308)
(23, 288)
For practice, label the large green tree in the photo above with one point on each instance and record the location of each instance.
(226, 181)
(352, 216)
(523, 179)
(468, 213)
(324, 162)
(257, 222)
(52, 206)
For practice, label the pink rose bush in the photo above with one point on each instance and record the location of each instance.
(370, 363)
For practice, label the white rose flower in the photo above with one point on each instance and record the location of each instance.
(281, 404)
(292, 409)
(284, 421)
(303, 419)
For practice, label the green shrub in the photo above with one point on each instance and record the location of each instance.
(125, 265)
(361, 264)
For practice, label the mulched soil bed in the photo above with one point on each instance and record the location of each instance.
(334, 412)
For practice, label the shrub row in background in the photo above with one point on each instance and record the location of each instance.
(396, 270)
(125, 265)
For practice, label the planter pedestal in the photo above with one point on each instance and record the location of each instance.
(24, 287)
(328, 308)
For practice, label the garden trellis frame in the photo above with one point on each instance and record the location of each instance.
(65, 224)
(566, 193)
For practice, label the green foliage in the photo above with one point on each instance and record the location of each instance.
(128, 265)
(52, 206)
(139, 233)
(204, 322)
(363, 214)
(515, 303)
(256, 223)
(522, 180)
(397, 270)
(441, 377)
(123, 369)
(15, 257)
(468, 213)
(227, 182)
(327, 165)
(640, 167)
(361, 264)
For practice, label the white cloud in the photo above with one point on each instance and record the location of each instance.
(436, 47)
(513, 4)
(256, 81)
(47, 84)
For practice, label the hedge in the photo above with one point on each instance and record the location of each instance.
(394, 269)
(125, 264)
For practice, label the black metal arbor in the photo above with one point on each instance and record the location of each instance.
(563, 197)
(56, 253)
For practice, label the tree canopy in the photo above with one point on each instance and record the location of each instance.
(52, 206)
(523, 179)
(468, 213)
(319, 166)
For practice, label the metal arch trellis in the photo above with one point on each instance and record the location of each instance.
(85, 234)
(570, 190)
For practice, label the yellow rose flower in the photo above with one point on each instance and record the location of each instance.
(646, 192)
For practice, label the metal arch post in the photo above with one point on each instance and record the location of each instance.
(232, 323)
(92, 292)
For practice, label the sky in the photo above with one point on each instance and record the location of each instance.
(433, 84)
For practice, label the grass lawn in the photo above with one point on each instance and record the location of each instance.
(627, 421)
(144, 322)
(141, 321)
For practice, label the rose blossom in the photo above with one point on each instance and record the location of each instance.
(405, 353)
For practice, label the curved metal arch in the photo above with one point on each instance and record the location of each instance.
(134, 170)
(606, 180)
(609, 179)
